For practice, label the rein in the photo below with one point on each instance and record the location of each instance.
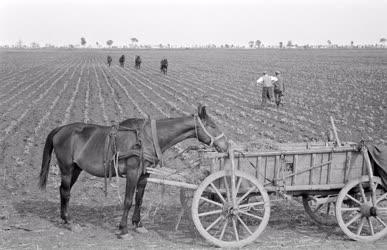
(213, 139)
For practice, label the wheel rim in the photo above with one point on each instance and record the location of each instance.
(322, 213)
(219, 221)
(356, 213)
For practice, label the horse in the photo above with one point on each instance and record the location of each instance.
(137, 62)
(140, 143)
(164, 66)
(109, 60)
(122, 60)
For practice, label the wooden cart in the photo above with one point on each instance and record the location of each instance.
(231, 207)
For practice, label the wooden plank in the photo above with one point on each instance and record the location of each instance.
(265, 174)
(347, 168)
(363, 166)
(295, 161)
(258, 162)
(329, 168)
(276, 168)
(307, 187)
(173, 183)
(311, 170)
(335, 132)
(320, 165)
(287, 152)
(321, 169)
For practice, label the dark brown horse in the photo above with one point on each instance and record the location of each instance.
(137, 62)
(81, 146)
(122, 60)
(164, 66)
(109, 60)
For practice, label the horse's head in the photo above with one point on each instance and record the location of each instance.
(208, 132)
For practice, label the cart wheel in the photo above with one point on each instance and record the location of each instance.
(358, 216)
(222, 224)
(322, 213)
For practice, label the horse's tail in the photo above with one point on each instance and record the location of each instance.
(48, 147)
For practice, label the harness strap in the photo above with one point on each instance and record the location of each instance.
(106, 160)
(156, 142)
(109, 151)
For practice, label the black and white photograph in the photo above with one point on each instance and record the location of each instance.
(193, 124)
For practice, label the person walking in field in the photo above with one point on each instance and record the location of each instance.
(279, 89)
(267, 88)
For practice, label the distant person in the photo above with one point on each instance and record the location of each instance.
(279, 89)
(267, 88)
(109, 60)
(122, 60)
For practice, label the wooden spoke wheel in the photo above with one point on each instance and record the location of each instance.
(228, 221)
(320, 209)
(358, 215)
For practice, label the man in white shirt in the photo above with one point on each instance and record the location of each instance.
(267, 88)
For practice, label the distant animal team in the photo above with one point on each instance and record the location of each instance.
(137, 63)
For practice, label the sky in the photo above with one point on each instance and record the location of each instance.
(190, 22)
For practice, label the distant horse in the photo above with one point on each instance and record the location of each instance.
(137, 62)
(164, 66)
(122, 60)
(109, 60)
(140, 143)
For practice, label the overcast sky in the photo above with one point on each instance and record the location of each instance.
(192, 22)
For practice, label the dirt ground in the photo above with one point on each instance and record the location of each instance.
(42, 90)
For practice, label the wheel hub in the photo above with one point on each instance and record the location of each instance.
(367, 210)
(228, 210)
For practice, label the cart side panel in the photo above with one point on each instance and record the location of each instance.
(263, 168)
(338, 166)
(357, 166)
(319, 175)
(303, 163)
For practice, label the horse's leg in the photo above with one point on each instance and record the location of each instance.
(64, 189)
(131, 183)
(136, 218)
(76, 171)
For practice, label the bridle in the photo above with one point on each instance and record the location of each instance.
(213, 139)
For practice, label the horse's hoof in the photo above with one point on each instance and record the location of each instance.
(141, 230)
(125, 236)
(76, 228)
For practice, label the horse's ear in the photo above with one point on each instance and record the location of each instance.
(202, 111)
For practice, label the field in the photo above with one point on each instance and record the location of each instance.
(40, 90)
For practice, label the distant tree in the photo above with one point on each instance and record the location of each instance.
(227, 46)
(352, 43)
(19, 44)
(49, 46)
(383, 41)
(251, 44)
(35, 45)
(258, 43)
(329, 42)
(281, 45)
(134, 41)
(109, 43)
(289, 44)
(83, 41)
